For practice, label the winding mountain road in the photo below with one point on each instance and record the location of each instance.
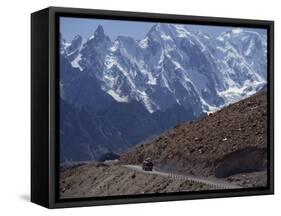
(213, 182)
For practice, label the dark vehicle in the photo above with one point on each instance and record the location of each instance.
(147, 165)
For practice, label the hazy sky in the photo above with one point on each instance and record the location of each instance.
(69, 27)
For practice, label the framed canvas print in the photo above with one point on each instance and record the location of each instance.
(137, 107)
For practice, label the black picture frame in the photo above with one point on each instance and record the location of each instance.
(45, 101)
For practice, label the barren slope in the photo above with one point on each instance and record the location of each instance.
(94, 179)
(232, 140)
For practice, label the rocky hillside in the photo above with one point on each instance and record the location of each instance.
(227, 147)
(97, 179)
(230, 141)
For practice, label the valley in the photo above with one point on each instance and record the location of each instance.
(224, 150)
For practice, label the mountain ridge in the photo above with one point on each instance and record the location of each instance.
(175, 74)
(134, 72)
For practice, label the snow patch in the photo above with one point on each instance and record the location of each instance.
(177, 65)
(75, 62)
(181, 31)
(114, 47)
(146, 101)
(234, 94)
(237, 30)
(91, 38)
(165, 37)
(151, 80)
(250, 48)
(117, 97)
(207, 108)
(109, 61)
(144, 43)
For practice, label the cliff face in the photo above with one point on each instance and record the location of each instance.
(230, 141)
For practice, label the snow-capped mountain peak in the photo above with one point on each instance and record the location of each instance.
(117, 93)
(99, 31)
(174, 65)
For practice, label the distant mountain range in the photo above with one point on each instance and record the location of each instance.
(115, 94)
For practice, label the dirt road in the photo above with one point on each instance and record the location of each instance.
(213, 182)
